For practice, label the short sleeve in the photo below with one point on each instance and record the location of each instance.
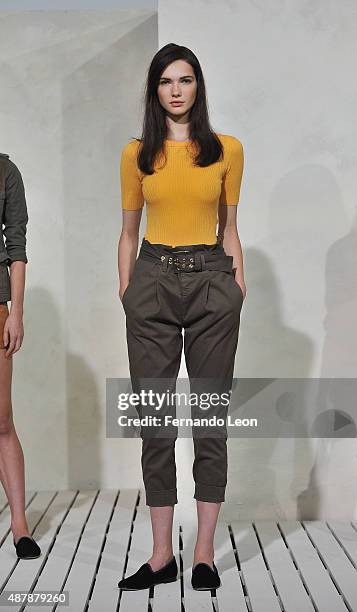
(232, 179)
(131, 191)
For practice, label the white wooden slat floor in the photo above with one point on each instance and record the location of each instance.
(91, 539)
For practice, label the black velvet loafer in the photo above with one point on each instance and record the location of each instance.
(145, 577)
(27, 548)
(204, 578)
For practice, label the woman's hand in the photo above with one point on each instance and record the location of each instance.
(13, 333)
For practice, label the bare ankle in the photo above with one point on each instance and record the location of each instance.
(19, 528)
(204, 550)
(162, 553)
(159, 560)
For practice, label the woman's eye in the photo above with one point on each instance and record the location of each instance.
(183, 81)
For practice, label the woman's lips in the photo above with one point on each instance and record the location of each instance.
(176, 103)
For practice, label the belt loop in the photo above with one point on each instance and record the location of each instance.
(198, 262)
(203, 263)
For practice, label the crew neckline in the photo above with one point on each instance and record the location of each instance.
(177, 142)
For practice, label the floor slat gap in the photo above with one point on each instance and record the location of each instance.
(297, 567)
(128, 547)
(268, 568)
(7, 508)
(325, 565)
(48, 552)
(77, 546)
(96, 569)
(240, 572)
(32, 529)
(180, 555)
(345, 550)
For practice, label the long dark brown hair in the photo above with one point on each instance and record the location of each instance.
(154, 130)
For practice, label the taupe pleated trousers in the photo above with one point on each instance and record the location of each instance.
(160, 302)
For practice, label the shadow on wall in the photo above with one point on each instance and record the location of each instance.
(98, 118)
(268, 476)
(55, 402)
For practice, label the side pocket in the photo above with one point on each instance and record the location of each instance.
(132, 278)
(206, 292)
(124, 294)
(157, 291)
(236, 284)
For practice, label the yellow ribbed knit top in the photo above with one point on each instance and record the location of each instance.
(182, 199)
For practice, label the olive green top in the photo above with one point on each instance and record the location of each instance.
(14, 218)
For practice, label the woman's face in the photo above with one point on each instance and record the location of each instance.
(177, 84)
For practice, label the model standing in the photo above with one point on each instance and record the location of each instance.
(14, 218)
(188, 276)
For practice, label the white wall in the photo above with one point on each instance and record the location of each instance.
(51, 5)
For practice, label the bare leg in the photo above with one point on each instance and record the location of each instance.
(11, 454)
(207, 514)
(161, 524)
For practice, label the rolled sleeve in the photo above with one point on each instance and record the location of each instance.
(15, 216)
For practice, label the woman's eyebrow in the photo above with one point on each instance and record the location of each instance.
(187, 76)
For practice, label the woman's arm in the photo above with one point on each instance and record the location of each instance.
(132, 201)
(128, 247)
(15, 226)
(14, 328)
(228, 237)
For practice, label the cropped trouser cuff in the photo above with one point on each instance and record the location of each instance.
(209, 493)
(168, 497)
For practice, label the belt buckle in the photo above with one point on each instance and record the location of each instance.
(180, 264)
(183, 264)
